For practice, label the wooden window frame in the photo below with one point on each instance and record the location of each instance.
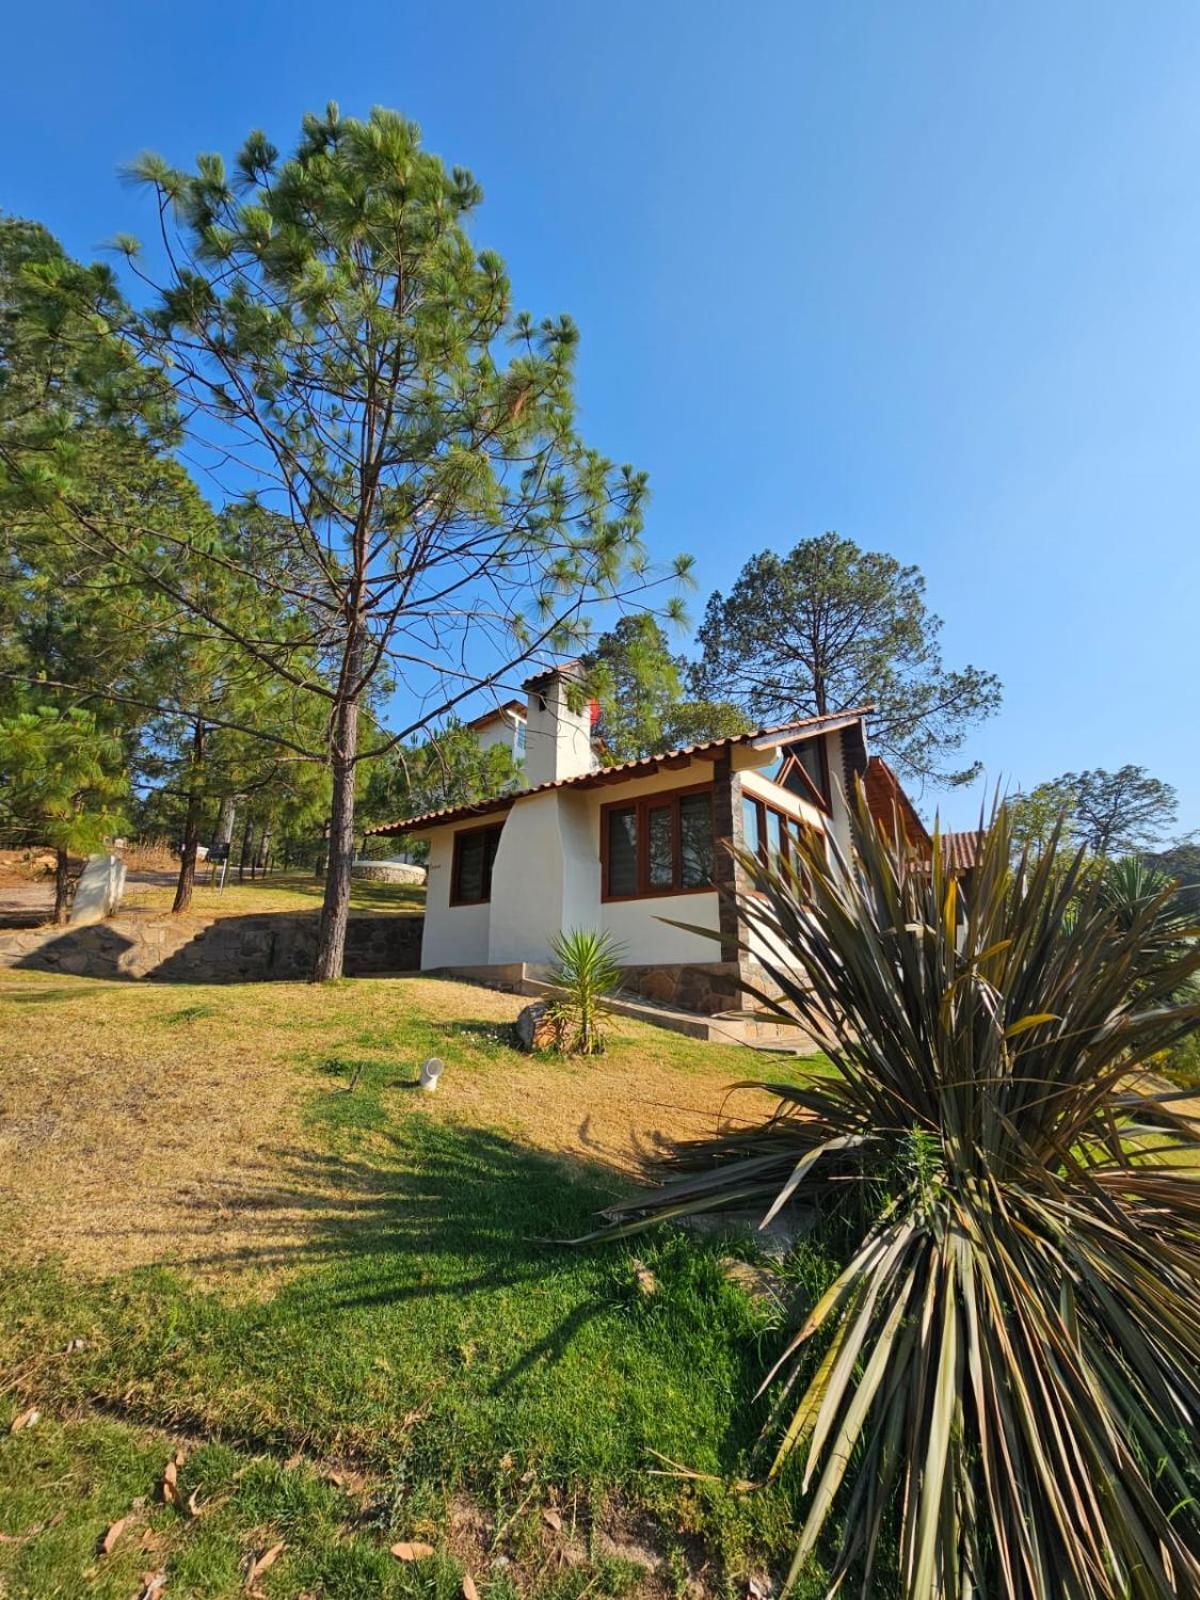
(642, 805)
(752, 797)
(821, 798)
(455, 854)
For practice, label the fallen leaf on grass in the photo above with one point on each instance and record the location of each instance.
(552, 1520)
(153, 1584)
(349, 1482)
(646, 1281)
(112, 1533)
(261, 1564)
(469, 1591)
(169, 1486)
(152, 1541)
(25, 1420)
(405, 1551)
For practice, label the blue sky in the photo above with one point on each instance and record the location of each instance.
(923, 274)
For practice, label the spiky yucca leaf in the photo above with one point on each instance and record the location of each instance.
(1012, 1368)
(586, 970)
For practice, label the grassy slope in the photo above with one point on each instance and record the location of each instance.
(279, 891)
(414, 1323)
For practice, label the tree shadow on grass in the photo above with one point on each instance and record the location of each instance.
(434, 1254)
(431, 1208)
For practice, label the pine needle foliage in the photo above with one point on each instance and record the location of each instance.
(1006, 1375)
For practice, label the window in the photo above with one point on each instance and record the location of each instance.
(695, 841)
(772, 835)
(519, 740)
(622, 840)
(803, 770)
(471, 871)
(661, 844)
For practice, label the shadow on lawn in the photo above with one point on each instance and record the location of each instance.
(432, 1209)
(434, 1214)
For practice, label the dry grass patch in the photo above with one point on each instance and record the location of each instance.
(154, 1123)
(280, 891)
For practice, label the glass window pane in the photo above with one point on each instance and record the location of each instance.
(811, 759)
(471, 861)
(622, 851)
(751, 825)
(661, 847)
(696, 840)
(774, 833)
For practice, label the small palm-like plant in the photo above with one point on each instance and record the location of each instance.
(1008, 1368)
(587, 970)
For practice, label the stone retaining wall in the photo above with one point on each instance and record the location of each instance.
(387, 872)
(704, 987)
(221, 950)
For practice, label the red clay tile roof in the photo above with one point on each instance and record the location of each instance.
(604, 775)
(887, 802)
(960, 851)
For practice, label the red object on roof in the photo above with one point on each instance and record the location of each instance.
(594, 712)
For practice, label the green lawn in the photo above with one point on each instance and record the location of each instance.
(415, 1358)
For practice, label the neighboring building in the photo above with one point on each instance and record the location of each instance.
(505, 725)
(631, 849)
(894, 812)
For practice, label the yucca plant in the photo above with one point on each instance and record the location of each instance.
(586, 971)
(1007, 1371)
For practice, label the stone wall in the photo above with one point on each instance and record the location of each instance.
(387, 872)
(222, 950)
(704, 987)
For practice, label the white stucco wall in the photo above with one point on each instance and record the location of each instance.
(527, 882)
(502, 729)
(558, 740)
(648, 941)
(454, 936)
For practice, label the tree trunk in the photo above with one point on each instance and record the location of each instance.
(262, 854)
(225, 818)
(247, 839)
(62, 888)
(191, 827)
(335, 911)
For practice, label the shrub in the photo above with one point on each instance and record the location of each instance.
(1010, 1366)
(587, 969)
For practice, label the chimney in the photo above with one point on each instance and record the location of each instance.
(558, 740)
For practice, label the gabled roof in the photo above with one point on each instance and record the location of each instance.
(887, 803)
(708, 749)
(515, 706)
